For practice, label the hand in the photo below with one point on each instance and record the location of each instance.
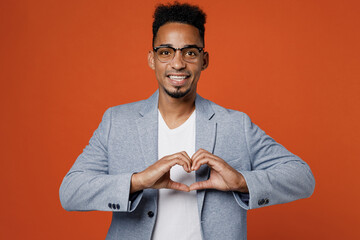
(158, 175)
(222, 176)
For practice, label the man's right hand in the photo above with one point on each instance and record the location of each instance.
(158, 175)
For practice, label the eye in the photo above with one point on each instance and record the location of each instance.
(165, 52)
(192, 52)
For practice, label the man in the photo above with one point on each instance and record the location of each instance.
(146, 159)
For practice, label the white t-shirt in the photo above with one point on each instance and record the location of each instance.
(178, 215)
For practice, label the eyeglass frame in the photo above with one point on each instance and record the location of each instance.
(200, 49)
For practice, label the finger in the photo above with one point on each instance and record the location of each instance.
(197, 157)
(198, 152)
(203, 154)
(177, 186)
(181, 162)
(186, 156)
(201, 185)
(165, 164)
(200, 155)
(211, 162)
(169, 161)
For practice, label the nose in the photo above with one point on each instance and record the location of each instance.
(178, 62)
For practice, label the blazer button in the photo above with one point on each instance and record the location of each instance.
(266, 201)
(117, 206)
(261, 202)
(150, 214)
(110, 205)
(113, 206)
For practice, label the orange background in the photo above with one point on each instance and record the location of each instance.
(293, 66)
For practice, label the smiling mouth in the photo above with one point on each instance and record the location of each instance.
(177, 78)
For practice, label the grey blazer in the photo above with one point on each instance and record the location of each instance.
(126, 142)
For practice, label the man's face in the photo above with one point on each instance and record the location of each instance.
(178, 78)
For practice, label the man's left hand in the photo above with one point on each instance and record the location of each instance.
(222, 176)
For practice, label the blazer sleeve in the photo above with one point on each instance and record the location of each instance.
(88, 185)
(276, 175)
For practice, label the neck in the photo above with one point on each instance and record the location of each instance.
(175, 111)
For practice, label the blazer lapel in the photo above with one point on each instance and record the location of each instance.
(147, 125)
(205, 139)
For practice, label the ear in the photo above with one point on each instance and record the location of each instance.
(151, 60)
(205, 61)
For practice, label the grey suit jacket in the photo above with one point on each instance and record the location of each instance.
(126, 142)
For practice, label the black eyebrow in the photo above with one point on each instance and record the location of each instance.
(186, 46)
(191, 46)
(166, 45)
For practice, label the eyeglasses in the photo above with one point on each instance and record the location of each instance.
(189, 53)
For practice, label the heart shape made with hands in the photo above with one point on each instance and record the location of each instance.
(180, 175)
(185, 180)
(222, 176)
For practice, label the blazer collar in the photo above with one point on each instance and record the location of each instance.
(202, 106)
(150, 104)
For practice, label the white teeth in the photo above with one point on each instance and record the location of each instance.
(177, 77)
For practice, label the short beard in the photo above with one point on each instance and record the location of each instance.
(177, 93)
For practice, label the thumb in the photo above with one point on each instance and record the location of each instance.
(201, 185)
(177, 186)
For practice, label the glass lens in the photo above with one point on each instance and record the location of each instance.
(190, 54)
(165, 54)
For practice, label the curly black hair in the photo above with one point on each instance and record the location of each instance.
(180, 13)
